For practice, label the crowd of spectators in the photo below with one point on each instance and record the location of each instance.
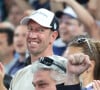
(78, 32)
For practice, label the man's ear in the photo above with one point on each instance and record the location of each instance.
(55, 35)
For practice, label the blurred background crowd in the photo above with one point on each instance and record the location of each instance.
(76, 17)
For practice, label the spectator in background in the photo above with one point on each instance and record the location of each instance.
(20, 47)
(15, 14)
(85, 17)
(22, 58)
(82, 44)
(69, 27)
(6, 46)
(6, 5)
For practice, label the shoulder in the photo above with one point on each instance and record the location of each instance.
(20, 75)
(23, 70)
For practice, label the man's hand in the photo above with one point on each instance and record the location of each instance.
(77, 64)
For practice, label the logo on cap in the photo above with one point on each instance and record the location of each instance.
(55, 26)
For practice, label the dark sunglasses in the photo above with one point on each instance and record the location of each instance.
(48, 61)
(85, 40)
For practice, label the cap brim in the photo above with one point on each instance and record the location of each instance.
(25, 21)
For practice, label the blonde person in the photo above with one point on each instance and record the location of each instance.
(82, 44)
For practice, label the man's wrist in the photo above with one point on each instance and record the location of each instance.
(72, 79)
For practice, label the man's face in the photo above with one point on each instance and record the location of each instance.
(20, 35)
(43, 81)
(69, 28)
(39, 39)
(4, 47)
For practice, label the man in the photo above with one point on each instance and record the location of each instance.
(90, 25)
(15, 14)
(20, 34)
(6, 46)
(49, 72)
(42, 26)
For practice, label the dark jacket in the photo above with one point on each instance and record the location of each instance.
(68, 87)
(8, 78)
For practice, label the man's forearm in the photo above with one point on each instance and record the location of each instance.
(82, 13)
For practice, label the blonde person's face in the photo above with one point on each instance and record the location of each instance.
(43, 81)
(39, 39)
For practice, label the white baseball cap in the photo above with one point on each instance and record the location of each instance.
(43, 17)
(69, 11)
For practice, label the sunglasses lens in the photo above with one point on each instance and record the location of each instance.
(81, 40)
(47, 61)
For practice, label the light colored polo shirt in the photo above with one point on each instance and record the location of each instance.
(23, 78)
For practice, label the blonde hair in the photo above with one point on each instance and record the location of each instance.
(90, 47)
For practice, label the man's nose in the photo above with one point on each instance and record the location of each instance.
(33, 35)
